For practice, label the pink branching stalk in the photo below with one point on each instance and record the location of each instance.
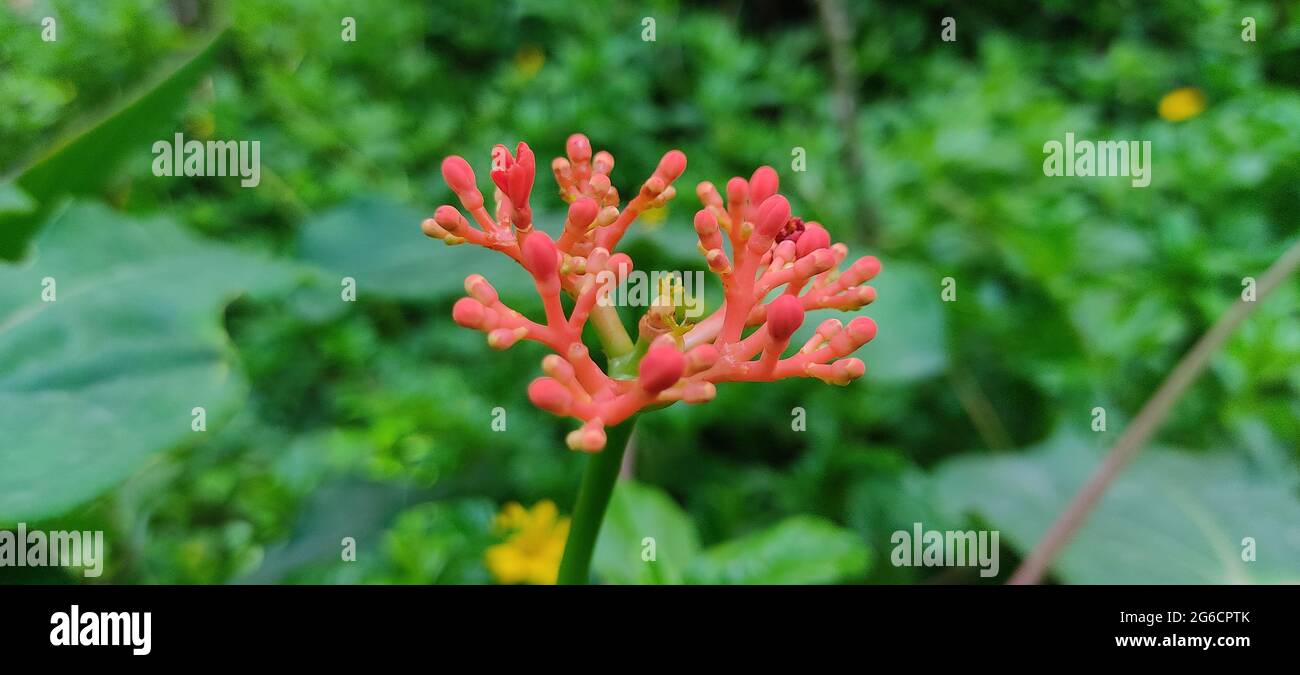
(771, 254)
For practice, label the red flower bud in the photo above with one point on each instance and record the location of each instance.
(701, 358)
(621, 264)
(814, 237)
(458, 174)
(784, 316)
(772, 215)
(583, 212)
(763, 184)
(549, 395)
(448, 217)
(861, 329)
(468, 312)
(706, 226)
(660, 369)
(737, 191)
(672, 165)
(578, 147)
(540, 256)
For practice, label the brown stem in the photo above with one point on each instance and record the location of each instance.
(844, 82)
(1148, 420)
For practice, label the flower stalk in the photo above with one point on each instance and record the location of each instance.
(774, 267)
(593, 499)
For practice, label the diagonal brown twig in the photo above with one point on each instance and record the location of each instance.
(1153, 412)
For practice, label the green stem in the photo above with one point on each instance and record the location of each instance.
(614, 340)
(593, 498)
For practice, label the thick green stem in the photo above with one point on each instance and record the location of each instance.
(614, 340)
(593, 498)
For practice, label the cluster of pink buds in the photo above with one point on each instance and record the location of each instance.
(771, 254)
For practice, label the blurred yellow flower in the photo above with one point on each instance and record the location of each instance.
(531, 553)
(654, 217)
(1182, 104)
(528, 61)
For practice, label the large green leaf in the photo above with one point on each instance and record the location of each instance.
(378, 243)
(83, 162)
(797, 550)
(95, 382)
(637, 512)
(1170, 517)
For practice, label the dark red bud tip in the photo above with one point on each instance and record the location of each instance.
(549, 395)
(578, 147)
(814, 237)
(763, 183)
(583, 211)
(672, 165)
(660, 369)
(458, 174)
(540, 256)
(468, 312)
(784, 316)
(772, 215)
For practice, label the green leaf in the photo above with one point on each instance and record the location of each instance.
(14, 201)
(96, 381)
(911, 341)
(1170, 518)
(82, 163)
(798, 550)
(378, 243)
(636, 512)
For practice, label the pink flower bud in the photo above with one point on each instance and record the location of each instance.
(599, 184)
(862, 329)
(590, 438)
(555, 366)
(862, 269)
(708, 194)
(784, 316)
(514, 175)
(431, 228)
(817, 262)
(578, 148)
(448, 217)
(814, 237)
(468, 312)
(621, 264)
(737, 191)
(772, 216)
(701, 358)
(583, 212)
(763, 184)
(458, 174)
(549, 395)
(672, 165)
(505, 338)
(706, 226)
(480, 289)
(540, 256)
(660, 369)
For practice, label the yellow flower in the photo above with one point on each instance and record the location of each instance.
(528, 61)
(1182, 104)
(654, 217)
(531, 553)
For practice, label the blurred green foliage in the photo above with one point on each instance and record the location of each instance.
(372, 420)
